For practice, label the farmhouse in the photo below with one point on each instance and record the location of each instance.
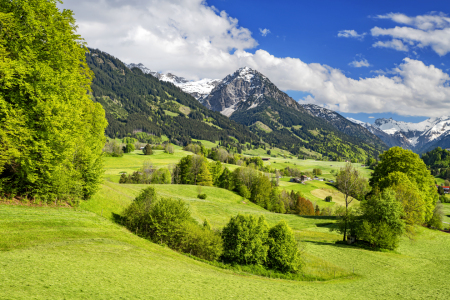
(265, 158)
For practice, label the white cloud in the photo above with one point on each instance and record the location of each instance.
(394, 44)
(432, 30)
(264, 32)
(351, 34)
(371, 117)
(359, 63)
(171, 36)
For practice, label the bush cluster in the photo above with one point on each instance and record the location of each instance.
(245, 240)
(168, 221)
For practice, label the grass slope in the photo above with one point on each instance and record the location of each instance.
(72, 254)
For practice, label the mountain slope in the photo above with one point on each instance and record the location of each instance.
(343, 124)
(250, 98)
(138, 102)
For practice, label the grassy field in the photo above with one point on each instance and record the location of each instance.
(75, 254)
(66, 253)
(133, 161)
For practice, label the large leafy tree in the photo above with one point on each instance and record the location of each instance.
(397, 160)
(51, 133)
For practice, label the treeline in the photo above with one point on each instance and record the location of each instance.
(438, 162)
(245, 240)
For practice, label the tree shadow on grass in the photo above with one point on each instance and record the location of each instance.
(361, 245)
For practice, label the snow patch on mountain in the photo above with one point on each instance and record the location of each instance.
(198, 89)
(357, 121)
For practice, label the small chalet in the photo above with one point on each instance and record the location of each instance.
(295, 179)
(265, 158)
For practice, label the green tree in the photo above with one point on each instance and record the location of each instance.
(161, 176)
(245, 240)
(225, 180)
(283, 253)
(407, 162)
(147, 150)
(128, 148)
(382, 223)
(215, 168)
(204, 176)
(51, 133)
(350, 182)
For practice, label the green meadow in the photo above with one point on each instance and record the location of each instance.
(80, 253)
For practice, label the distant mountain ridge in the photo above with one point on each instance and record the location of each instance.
(419, 137)
(197, 89)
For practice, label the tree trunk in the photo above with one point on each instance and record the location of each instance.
(346, 217)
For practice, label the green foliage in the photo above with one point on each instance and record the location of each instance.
(137, 213)
(193, 169)
(202, 196)
(245, 240)
(436, 219)
(201, 242)
(128, 148)
(51, 133)
(169, 149)
(283, 253)
(382, 223)
(204, 176)
(407, 162)
(351, 183)
(328, 198)
(113, 148)
(225, 180)
(161, 176)
(243, 191)
(317, 171)
(147, 150)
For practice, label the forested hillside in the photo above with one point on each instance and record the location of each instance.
(137, 102)
(294, 130)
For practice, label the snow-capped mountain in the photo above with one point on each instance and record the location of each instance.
(243, 90)
(419, 137)
(143, 68)
(198, 89)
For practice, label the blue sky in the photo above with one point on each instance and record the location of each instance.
(309, 30)
(361, 58)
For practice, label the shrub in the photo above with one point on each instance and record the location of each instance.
(169, 149)
(161, 220)
(128, 148)
(283, 253)
(201, 242)
(328, 199)
(138, 211)
(147, 150)
(245, 240)
(201, 196)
